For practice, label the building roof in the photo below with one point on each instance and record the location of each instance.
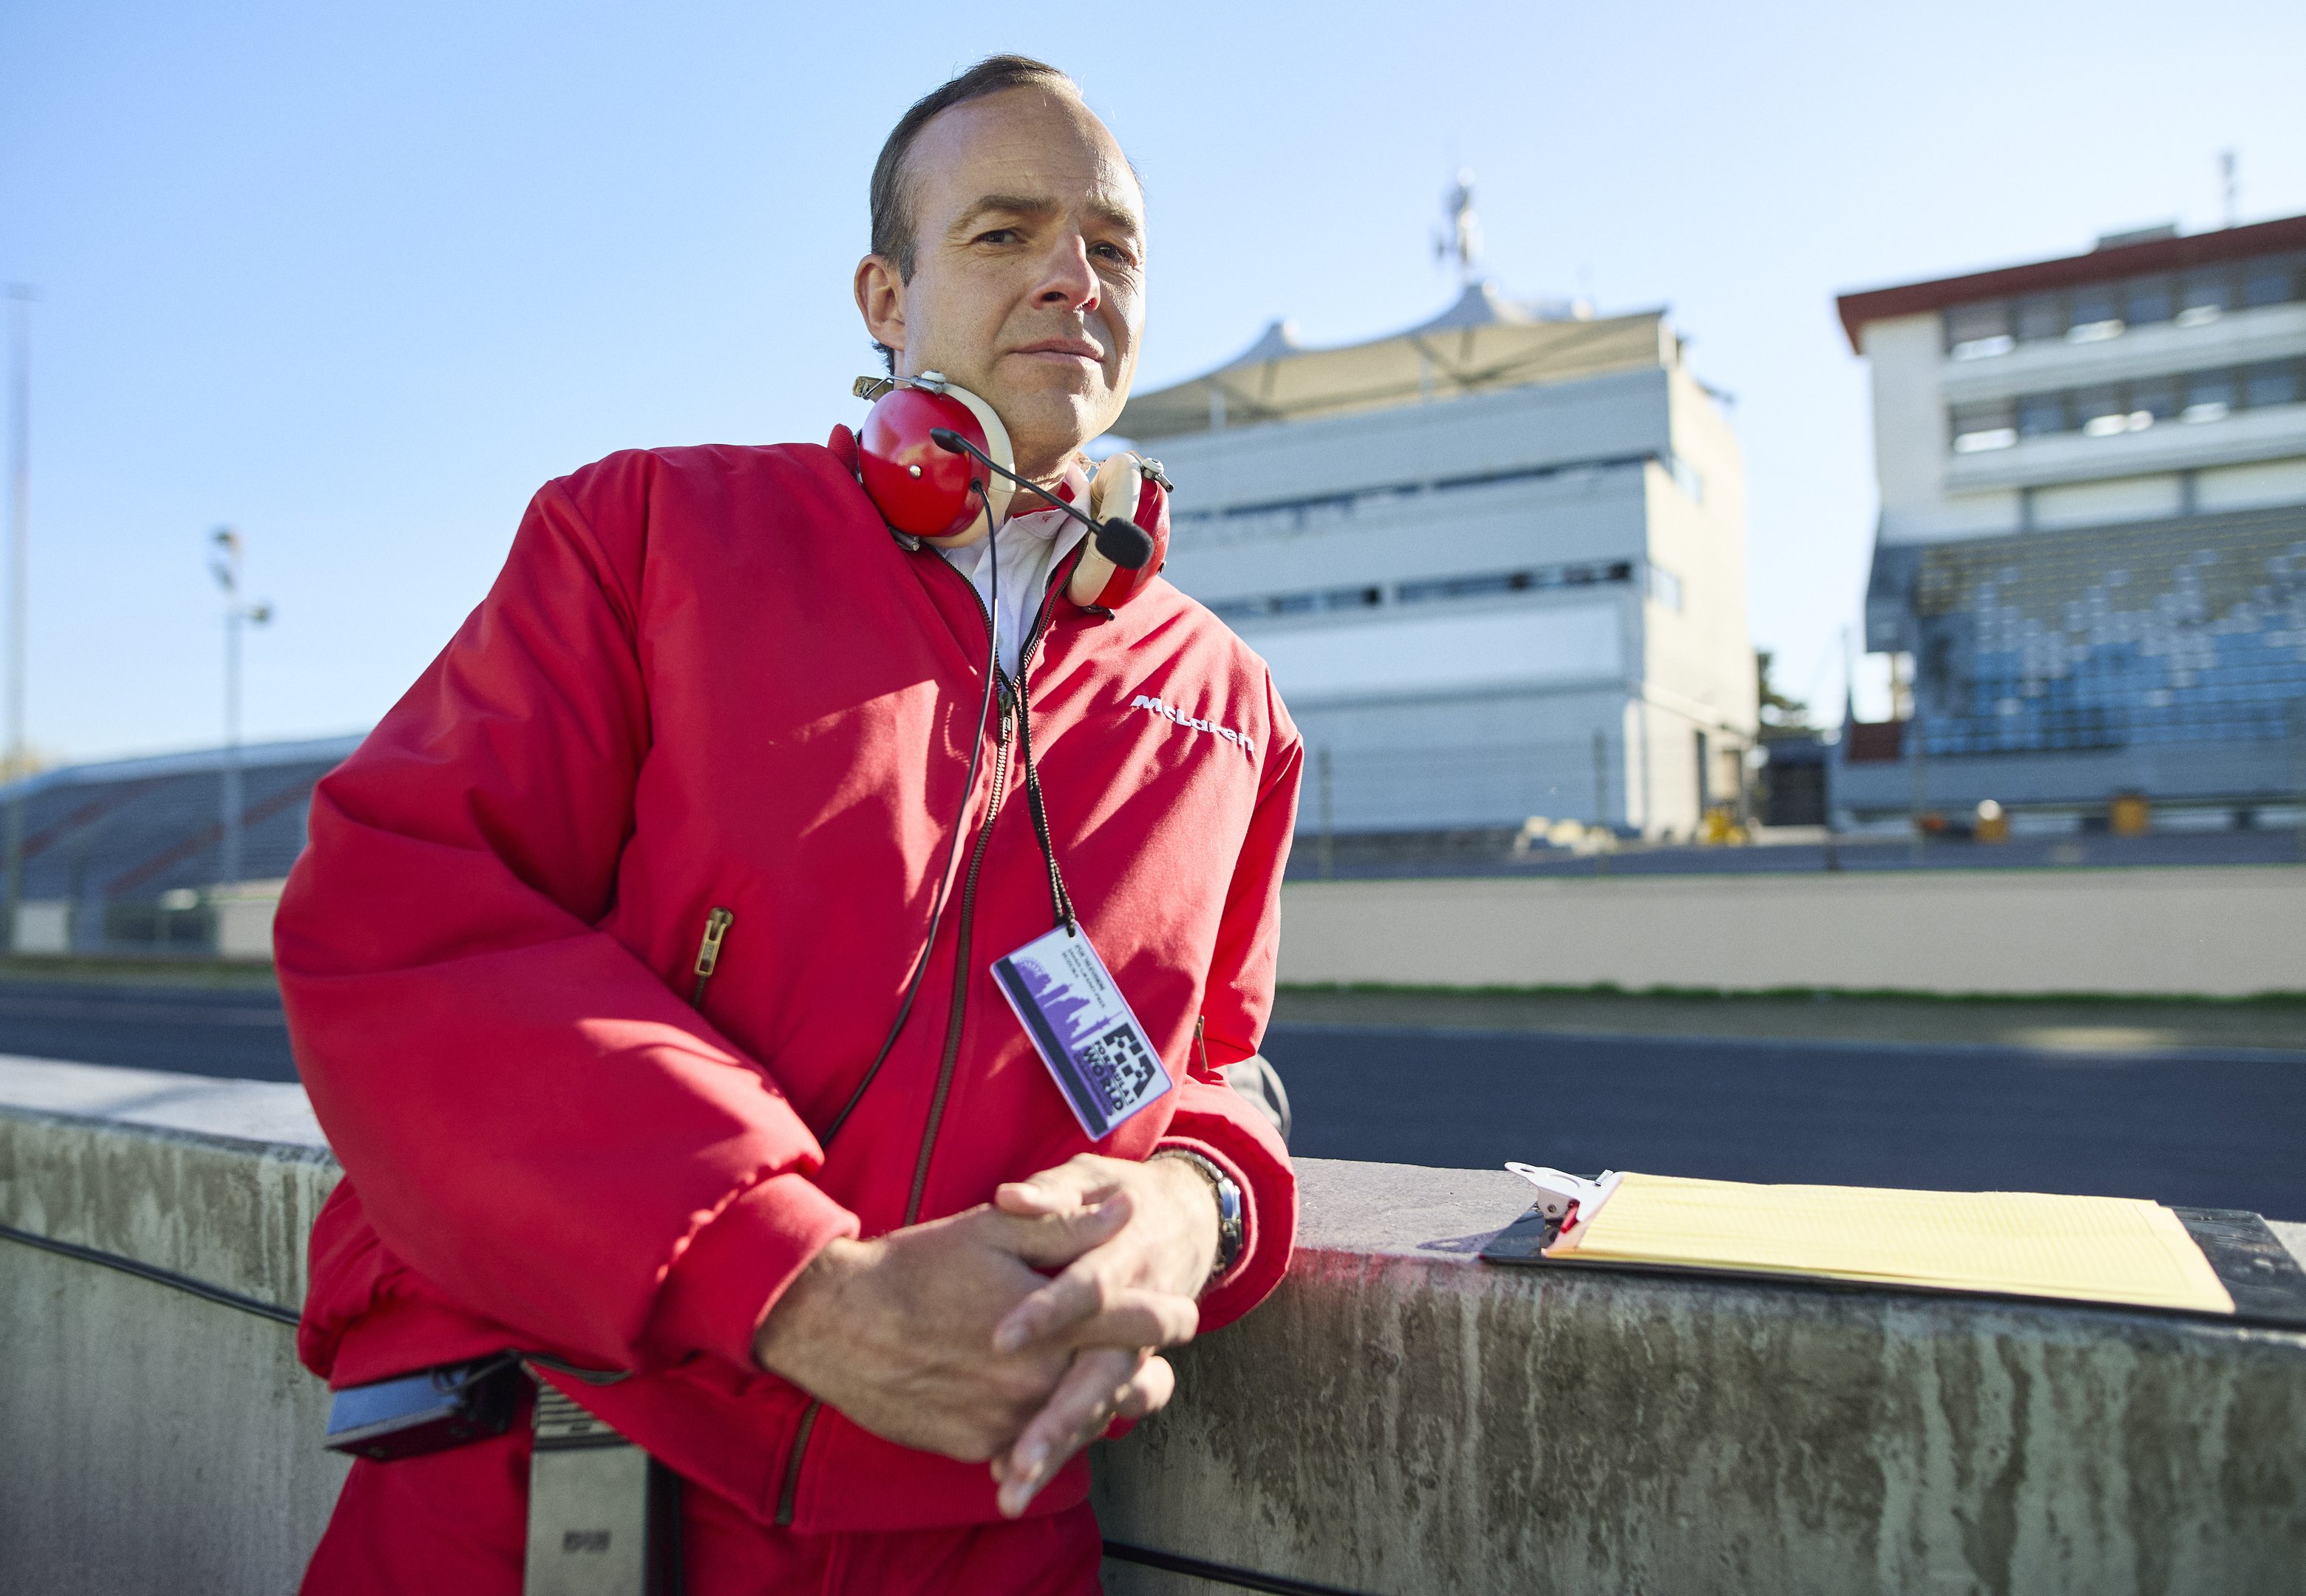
(131, 830)
(329, 751)
(1482, 341)
(2153, 250)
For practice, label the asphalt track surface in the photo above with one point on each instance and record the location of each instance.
(238, 1033)
(2217, 1127)
(2194, 1126)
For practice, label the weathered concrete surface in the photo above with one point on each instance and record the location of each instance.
(2222, 931)
(154, 1441)
(1402, 1418)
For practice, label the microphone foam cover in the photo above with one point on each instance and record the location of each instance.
(1124, 542)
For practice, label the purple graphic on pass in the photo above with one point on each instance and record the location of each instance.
(1097, 1053)
(1076, 1021)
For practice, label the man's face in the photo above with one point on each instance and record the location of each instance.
(1028, 285)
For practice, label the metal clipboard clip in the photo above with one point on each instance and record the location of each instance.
(1566, 1203)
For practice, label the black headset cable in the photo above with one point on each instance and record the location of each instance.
(960, 825)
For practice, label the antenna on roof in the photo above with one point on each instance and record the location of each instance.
(1459, 237)
(2227, 161)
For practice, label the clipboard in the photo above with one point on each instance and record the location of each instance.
(2266, 1282)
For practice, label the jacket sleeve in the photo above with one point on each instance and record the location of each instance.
(1212, 1119)
(535, 1124)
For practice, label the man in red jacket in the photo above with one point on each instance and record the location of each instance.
(601, 931)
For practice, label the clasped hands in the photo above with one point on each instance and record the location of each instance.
(950, 1337)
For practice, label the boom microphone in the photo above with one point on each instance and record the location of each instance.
(1124, 542)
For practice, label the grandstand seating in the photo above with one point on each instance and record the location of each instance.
(135, 847)
(2113, 636)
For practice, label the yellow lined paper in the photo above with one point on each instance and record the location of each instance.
(2025, 1243)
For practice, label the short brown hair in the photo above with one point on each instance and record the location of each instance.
(894, 234)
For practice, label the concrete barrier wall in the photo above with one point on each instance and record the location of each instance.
(2221, 932)
(150, 1441)
(1401, 1418)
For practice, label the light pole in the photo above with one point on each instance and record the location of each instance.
(19, 506)
(226, 568)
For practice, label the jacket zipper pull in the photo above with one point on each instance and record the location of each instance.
(1201, 1042)
(708, 952)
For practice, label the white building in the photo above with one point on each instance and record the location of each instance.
(2091, 558)
(1497, 563)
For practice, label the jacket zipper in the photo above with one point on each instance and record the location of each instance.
(708, 953)
(960, 976)
(789, 1494)
(964, 930)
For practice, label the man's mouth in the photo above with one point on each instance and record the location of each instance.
(1074, 348)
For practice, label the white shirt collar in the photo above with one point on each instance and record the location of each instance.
(1045, 522)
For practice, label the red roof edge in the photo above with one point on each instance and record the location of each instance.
(2119, 261)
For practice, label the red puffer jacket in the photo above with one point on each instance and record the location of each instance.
(709, 678)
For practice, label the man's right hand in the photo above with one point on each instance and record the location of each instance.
(897, 1332)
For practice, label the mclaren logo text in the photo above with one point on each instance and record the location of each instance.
(1171, 711)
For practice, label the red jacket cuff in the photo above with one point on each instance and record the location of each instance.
(733, 1272)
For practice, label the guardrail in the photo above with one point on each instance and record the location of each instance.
(1401, 1418)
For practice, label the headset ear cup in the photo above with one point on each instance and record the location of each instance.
(1113, 491)
(999, 490)
(918, 486)
(1121, 488)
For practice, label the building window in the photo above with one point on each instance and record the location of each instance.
(2105, 409)
(2041, 414)
(2149, 300)
(2157, 397)
(2041, 316)
(2099, 410)
(1487, 584)
(1977, 427)
(2273, 383)
(2093, 315)
(1665, 587)
(1979, 331)
(2269, 282)
(2209, 396)
(2204, 295)
(2097, 310)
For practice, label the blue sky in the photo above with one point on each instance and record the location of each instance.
(356, 278)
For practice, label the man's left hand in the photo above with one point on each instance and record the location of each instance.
(1099, 1303)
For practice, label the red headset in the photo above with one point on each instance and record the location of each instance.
(934, 457)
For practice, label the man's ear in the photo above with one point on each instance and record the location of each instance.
(881, 299)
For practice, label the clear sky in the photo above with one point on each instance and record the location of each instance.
(357, 278)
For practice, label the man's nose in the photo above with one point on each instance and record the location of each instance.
(1068, 278)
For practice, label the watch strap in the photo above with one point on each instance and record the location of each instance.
(1232, 1225)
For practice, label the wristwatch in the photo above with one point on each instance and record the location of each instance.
(1232, 1232)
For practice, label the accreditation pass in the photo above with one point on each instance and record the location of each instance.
(1082, 1026)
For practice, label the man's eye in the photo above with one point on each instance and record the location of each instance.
(998, 235)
